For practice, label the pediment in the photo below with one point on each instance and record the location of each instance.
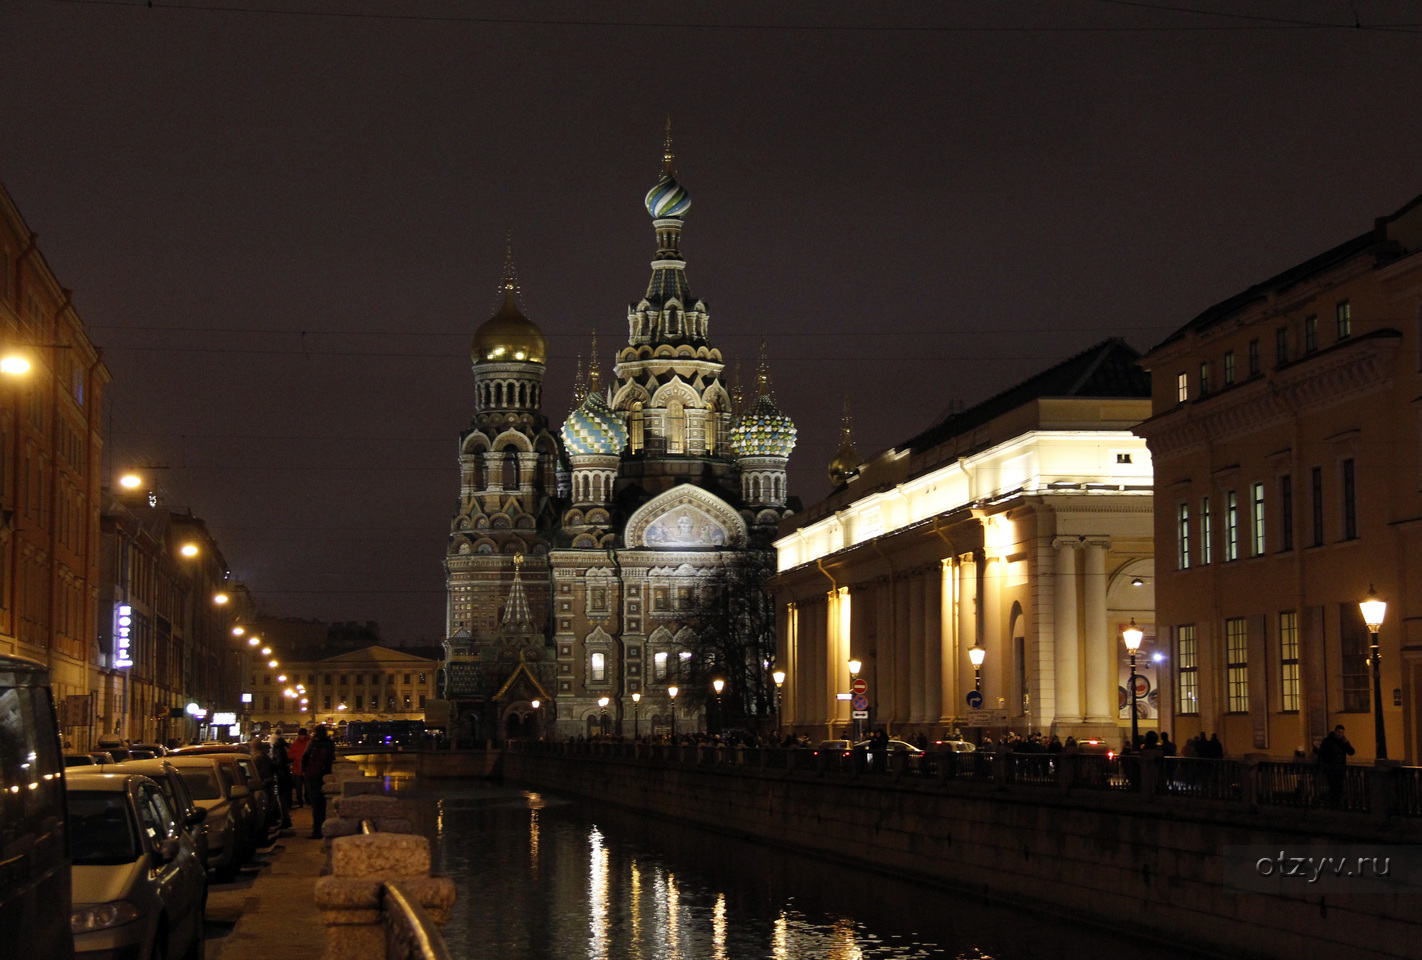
(686, 518)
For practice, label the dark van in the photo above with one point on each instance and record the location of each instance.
(34, 845)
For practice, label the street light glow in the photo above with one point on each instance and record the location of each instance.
(130, 481)
(219, 598)
(189, 550)
(14, 365)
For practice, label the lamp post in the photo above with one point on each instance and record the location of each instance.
(602, 719)
(636, 714)
(977, 655)
(672, 691)
(779, 677)
(1132, 636)
(854, 667)
(1374, 609)
(718, 685)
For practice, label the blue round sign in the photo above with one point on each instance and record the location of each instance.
(975, 699)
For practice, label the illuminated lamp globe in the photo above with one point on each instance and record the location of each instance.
(14, 365)
(130, 481)
(1133, 635)
(977, 655)
(189, 550)
(1374, 609)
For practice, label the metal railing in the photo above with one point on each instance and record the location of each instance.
(1377, 791)
(410, 934)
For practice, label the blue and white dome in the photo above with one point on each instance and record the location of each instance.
(763, 431)
(668, 199)
(592, 429)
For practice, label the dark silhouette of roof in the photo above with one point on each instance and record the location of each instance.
(1109, 369)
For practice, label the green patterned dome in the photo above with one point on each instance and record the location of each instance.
(592, 429)
(668, 199)
(763, 431)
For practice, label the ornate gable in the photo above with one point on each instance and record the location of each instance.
(686, 518)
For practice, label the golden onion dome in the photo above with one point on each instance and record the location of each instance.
(508, 337)
(845, 464)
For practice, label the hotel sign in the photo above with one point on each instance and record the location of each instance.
(123, 635)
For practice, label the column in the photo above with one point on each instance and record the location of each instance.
(933, 645)
(1068, 679)
(1101, 681)
(967, 627)
(950, 691)
(916, 638)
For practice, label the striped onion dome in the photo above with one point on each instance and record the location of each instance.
(668, 198)
(763, 431)
(592, 429)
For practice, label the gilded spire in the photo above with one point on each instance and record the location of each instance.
(845, 463)
(594, 374)
(508, 282)
(580, 388)
(762, 373)
(738, 392)
(668, 157)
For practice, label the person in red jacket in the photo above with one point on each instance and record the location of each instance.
(298, 781)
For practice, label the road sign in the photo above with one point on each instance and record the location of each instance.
(975, 699)
(859, 686)
(986, 718)
(860, 702)
(859, 715)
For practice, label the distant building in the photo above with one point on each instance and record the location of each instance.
(373, 683)
(653, 484)
(1021, 526)
(51, 443)
(1289, 481)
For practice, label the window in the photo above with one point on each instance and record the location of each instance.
(1237, 663)
(1310, 333)
(1286, 512)
(344, 677)
(1205, 531)
(1257, 518)
(1182, 557)
(1204, 378)
(360, 679)
(1344, 313)
(1289, 661)
(1228, 367)
(1316, 481)
(422, 701)
(1231, 526)
(266, 679)
(659, 665)
(326, 679)
(1182, 388)
(1281, 346)
(1350, 502)
(599, 667)
(1187, 670)
(408, 705)
(266, 702)
(1253, 357)
(1353, 636)
(422, 680)
(360, 701)
(407, 678)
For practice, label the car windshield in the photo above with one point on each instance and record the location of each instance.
(101, 828)
(201, 783)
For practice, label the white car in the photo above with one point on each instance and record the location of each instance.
(228, 822)
(140, 888)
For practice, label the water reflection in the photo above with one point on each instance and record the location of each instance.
(542, 877)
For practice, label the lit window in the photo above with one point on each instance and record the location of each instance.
(1182, 388)
(1289, 661)
(1182, 557)
(1187, 670)
(1257, 518)
(1205, 532)
(599, 667)
(1231, 526)
(1229, 367)
(1237, 663)
(659, 665)
(1344, 312)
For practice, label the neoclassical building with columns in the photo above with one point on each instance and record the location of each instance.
(1022, 526)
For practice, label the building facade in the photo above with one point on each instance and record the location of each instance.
(51, 443)
(577, 559)
(1289, 482)
(370, 684)
(1021, 526)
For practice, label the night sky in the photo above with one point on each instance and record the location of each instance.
(283, 219)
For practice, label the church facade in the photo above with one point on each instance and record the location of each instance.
(578, 555)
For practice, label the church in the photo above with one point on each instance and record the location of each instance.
(579, 554)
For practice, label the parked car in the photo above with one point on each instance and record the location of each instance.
(101, 756)
(34, 857)
(893, 746)
(264, 790)
(175, 791)
(954, 745)
(79, 760)
(833, 748)
(229, 827)
(139, 887)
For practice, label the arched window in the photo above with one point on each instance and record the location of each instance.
(676, 427)
(510, 468)
(755, 489)
(498, 394)
(635, 440)
(778, 494)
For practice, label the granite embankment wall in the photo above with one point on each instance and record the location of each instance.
(1145, 865)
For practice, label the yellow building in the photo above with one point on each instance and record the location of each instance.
(50, 461)
(1288, 481)
(1021, 526)
(373, 683)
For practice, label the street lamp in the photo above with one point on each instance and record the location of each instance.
(977, 655)
(602, 721)
(672, 691)
(636, 714)
(718, 685)
(779, 677)
(854, 667)
(1133, 635)
(1374, 609)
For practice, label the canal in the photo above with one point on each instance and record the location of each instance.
(543, 877)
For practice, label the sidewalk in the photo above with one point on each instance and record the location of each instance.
(269, 911)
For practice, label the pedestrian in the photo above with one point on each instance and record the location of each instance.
(316, 762)
(298, 782)
(1333, 753)
(1216, 748)
(1167, 745)
(281, 763)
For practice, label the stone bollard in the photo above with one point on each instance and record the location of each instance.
(351, 900)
